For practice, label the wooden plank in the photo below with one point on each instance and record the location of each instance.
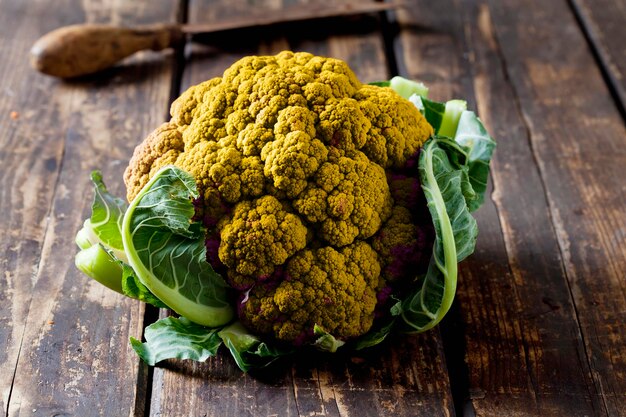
(604, 22)
(530, 347)
(392, 380)
(260, 19)
(30, 157)
(64, 339)
(406, 377)
(578, 139)
(523, 341)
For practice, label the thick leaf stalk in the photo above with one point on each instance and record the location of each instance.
(166, 250)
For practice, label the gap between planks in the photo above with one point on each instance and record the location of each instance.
(602, 57)
(151, 313)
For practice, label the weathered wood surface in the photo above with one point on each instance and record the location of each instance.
(538, 327)
(578, 139)
(603, 22)
(61, 333)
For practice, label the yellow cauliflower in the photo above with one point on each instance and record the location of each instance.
(295, 161)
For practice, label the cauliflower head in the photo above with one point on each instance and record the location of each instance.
(307, 191)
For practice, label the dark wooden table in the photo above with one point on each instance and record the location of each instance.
(538, 327)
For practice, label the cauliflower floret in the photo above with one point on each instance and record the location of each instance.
(162, 147)
(292, 156)
(405, 240)
(348, 199)
(401, 246)
(183, 110)
(224, 169)
(343, 125)
(260, 235)
(295, 154)
(398, 129)
(333, 289)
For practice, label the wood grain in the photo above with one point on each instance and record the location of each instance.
(539, 348)
(406, 377)
(604, 21)
(578, 138)
(30, 157)
(533, 339)
(391, 380)
(539, 324)
(63, 338)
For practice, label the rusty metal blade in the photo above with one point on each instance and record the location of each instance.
(292, 14)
